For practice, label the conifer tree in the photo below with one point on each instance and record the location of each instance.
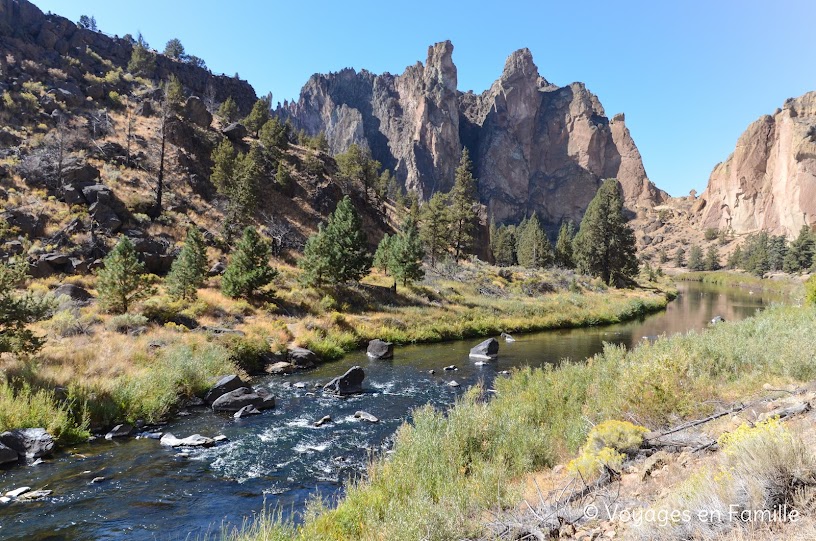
(357, 165)
(504, 246)
(680, 257)
(735, 259)
(695, 261)
(243, 195)
(228, 111)
(407, 254)
(189, 268)
(142, 62)
(174, 92)
(257, 117)
(435, 220)
(712, 258)
(534, 250)
(223, 171)
(174, 49)
(341, 255)
(274, 134)
(248, 269)
(463, 207)
(605, 244)
(563, 246)
(800, 253)
(122, 281)
(382, 257)
(18, 310)
(282, 177)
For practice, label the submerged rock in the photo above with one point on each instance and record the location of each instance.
(246, 411)
(365, 416)
(507, 337)
(196, 440)
(119, 431)
(379, 349)
(488, 349)
(323, 420)
(349, 383)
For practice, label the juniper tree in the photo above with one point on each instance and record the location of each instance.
(563, 246)
(223, 170)
(605, 244)
(248, 269)
(274, 134)
(122, 281)
(407, 254)
(174, 49)
(189, 268)
(142, 62)
(341, 255)
(695, 261)
(435, 220)
(533, 249)
(282, 177)
(18, 310)
(712, 258)
(257, 117)
(800, 253)
(357, 165)
(463, 207)
(382, 257)
(504, 246)
(735, 259)
(228, 111)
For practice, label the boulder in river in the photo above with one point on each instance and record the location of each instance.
(453, 383)
(196, 440)
(303, 358)
(365, 416)
(280, 368)
(224, 385)
(323, 420)
(29, 442)
(380, 349)
(8, 455)
(349, 383)
(488, 349)
(717, 319)
(507, 337)
(119, 431)
(246, 411)
(237, 399)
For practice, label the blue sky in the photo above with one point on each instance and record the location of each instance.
(690, 75)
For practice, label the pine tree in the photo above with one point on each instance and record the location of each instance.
(534, 250)
(243, 194)
(735, 259)
(695, 261)
(174, 92)
(563, 246)
(755, 257)
(282, 177)
(257, 117)
(174, 49)
(382, 257)
(712, 258)
(680, 258)
(504, 247)
(189, 268)
(248, 269)
(342, 254)
(663, 256)
(18, 310)
(605, 244)
(122, 280)
(274, 134)
(800, 253)
(142, 62)
(407, 254)
(223, 170)
(228, 111)
(357, 165)
(435, 220)
(463, 207)
(777, 250)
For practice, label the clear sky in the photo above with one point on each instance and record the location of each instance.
(689, 74)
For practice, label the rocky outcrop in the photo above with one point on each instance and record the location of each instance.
(23, 26)
(769, 182)
(536, 147)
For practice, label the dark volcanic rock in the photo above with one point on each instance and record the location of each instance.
(239, 398)
(224, 385)
(379, 349)
(302, 357)
(349, 383)
(235, 132)
(488, 349)
(75, 292)
(29, 442)
(8, 455)
(196, 112)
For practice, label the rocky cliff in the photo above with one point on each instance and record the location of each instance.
(536, 147)
(26, 32)
(769, 182)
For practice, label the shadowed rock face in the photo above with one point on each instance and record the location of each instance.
(769, 182)
(536, 147)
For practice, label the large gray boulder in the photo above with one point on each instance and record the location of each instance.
(8, 455)
(223, 386)
(349, 383)
(29, 442)
(74, 292)
(379, 349)
(488, 349)
(196, 112)
(302, 357)
(235, 132)
(239, 398)
(196, 440)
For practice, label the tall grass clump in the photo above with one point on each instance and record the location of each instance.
(24, 407)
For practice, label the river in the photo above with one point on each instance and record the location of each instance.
(279, 457)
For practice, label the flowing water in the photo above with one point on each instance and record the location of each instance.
(279, 458)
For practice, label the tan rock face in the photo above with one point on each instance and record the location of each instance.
(536, 147)
(769, 182)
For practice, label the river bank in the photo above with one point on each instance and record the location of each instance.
(449, 468)
(98, 370)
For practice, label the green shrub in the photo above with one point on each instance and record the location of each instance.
(607, 445)
(163, 310)
(710, 233)
(810, 291)
(71, 323)
(249, 353)
(124, 323)
(27, 408)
